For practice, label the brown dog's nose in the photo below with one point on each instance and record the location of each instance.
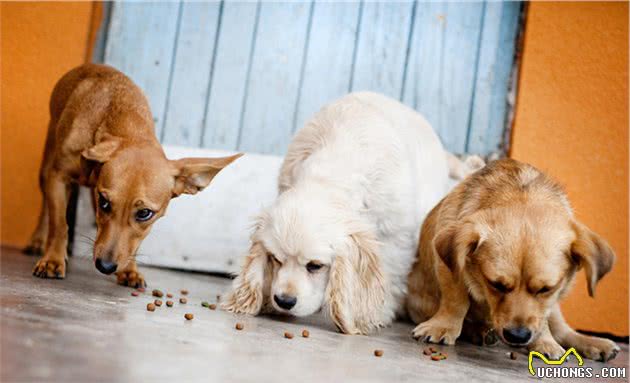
(105, 267)
(284, 301)
(517, 335)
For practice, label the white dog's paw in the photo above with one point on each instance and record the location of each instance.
(437, 331)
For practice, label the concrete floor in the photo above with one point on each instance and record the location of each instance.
(88, 329)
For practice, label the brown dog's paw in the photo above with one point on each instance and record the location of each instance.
(131, 278)
(50, 268)
(548, 347)
(437, 331)
(35, 247)
(599, 349)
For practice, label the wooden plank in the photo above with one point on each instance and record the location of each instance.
(441, 67)
(140, 43)
(382, 47)
(227, 90)
(272, 90)
(496, 57)
(188, 96)
(328, 64)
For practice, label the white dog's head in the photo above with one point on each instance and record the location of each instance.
(307, 253)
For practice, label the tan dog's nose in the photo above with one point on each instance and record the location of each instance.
(105, 267)
(284, 301)
(517, 335)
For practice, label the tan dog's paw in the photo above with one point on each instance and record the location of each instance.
(599, 349)
(437, 331)
(34, 247)
(131, 278)
(548, 347)
(50, 268)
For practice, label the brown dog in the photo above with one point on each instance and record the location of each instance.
(101, 135)
(499, 252)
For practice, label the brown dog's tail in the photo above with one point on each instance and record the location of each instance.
(458, 169)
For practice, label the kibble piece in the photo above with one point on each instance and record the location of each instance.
(513, 355)
(433, 349)
(158, 302)
(169, 303)
(158, 293)
(182, 300)
(305, 334)
(184, 292)
(169, 295)
(150, 307)
(218, 298)
(239, 326)
(288, 335)
(141, 289)
(426, 351)
(135, 293)
(188, 316)
(378, 353)
(205, 304)
(212, 306)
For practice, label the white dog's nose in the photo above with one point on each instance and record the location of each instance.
(284, 301)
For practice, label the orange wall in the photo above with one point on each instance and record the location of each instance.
(572, 121)
(40, 41)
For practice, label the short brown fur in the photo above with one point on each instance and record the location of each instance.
(499, 252)
(101, 135)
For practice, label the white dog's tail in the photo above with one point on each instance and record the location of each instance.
(459, 169)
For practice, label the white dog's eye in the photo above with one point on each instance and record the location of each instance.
(313, 266)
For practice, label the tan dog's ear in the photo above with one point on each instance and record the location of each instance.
(251, 288)
(455, 243)
(593, 253)
(194, 174)
(102, 151)
(356, 289)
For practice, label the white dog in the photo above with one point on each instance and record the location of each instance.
(355, 186)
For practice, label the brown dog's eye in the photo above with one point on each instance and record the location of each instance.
(312, 267)
(500, 287)
(104, 204)
(143, 215)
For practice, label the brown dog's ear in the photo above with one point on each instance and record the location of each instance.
(593, 253)
(102, 151)
(455, 243)
(194, 174)
(355, 294)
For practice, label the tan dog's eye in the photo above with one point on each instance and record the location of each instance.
(273, 258)
(312, 267)
(143, 215)
(543, 290)
(103, 204)
(499, 286)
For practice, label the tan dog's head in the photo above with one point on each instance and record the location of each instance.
(132, 188)
(521, 260)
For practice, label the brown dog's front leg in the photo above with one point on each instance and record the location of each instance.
(130, 276)
(56, 194)
(37, 243)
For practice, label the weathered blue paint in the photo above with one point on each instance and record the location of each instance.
(246, 75)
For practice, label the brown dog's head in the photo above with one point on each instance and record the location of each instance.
(132, 188)
(520, 260)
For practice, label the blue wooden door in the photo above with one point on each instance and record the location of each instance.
(245, 75)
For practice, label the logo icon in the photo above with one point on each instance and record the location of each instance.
(553, 362)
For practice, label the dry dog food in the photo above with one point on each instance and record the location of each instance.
(288, 335)
(378, 353)
(158, 293)
(305, 334)
(169, 295)
(150, 307)
(158, 302)
(426, 352)
(218, 298)
(135, 293)
(239, 326)
(212, 306)
(188, 316)
(513, 355)
(438, 356)
(183, 300)
(184, 292)
(169, 303)
(205, 304)
(141, 289)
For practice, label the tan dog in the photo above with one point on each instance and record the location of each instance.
(101, 135)
(499, 252)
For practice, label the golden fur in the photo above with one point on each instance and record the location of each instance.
(499, 252)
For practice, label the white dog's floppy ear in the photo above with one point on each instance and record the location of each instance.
(194, 174)
(455, 243)
(593, 253)
(250, 289)
(356, 288)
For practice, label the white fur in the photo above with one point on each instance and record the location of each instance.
(357, 181)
